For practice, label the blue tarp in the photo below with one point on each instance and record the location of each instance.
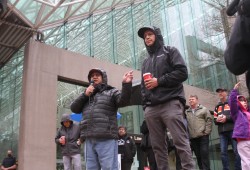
(78, 117)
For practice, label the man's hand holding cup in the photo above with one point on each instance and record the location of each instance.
(150, 81)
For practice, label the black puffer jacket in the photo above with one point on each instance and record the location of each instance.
(167, 65)
(100, 110)
(72, 134)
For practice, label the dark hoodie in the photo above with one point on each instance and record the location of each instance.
(100, 109)
(72, 134)
(167, 65)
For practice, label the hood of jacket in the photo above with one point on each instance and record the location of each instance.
(158, 38)
(239, 103)
(102, 72)
(65, 117)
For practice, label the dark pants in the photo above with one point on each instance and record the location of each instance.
(126, 165)
(168, 115)
(200, 147)
(225, 139)
(177, 160)
(151, 159)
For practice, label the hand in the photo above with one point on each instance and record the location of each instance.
(151, 83)
(128, 77)
(78, 142)
(236, 86)
(221, 119)
(62, 140)
(89, 90)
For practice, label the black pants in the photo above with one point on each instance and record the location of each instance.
(126, 164)
(151, 159)
(200, 147)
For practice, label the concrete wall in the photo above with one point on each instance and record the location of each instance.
(43, 65)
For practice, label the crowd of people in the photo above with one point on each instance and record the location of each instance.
(163, 73)
(165, 111)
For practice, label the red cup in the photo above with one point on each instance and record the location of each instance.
(147, 76)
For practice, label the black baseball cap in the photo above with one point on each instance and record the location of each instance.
(220, 89)
(142, 30)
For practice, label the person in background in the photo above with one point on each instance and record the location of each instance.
(224, 121)
(241, 116)
(126, 147)
(9, 163)
(163, 73)
(99, 104)
(68, 137)
(200, 123)
(146, 146)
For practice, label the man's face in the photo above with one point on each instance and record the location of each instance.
(96, 77)
(122, 131)
(193, 101)
(149, 38)
(66, 123)
(222, 94)
(9, 152)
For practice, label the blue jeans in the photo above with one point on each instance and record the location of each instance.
(101, 154)
(225, 138)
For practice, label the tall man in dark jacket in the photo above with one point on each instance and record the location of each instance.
(163, 98)
(224, 121)
(126, 147)
(68, 137)
(99, 104)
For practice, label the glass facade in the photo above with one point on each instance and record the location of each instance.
(112, 36)
(10, 101)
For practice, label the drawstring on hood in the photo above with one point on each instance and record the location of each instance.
(158, 38)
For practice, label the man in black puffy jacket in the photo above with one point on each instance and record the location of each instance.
(126, 147)
(164, 99)
(99, 104)
(68, 137)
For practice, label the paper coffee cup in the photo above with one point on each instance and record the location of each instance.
(147, 76)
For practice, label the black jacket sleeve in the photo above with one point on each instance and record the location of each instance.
(232, 8)
(78, 103)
